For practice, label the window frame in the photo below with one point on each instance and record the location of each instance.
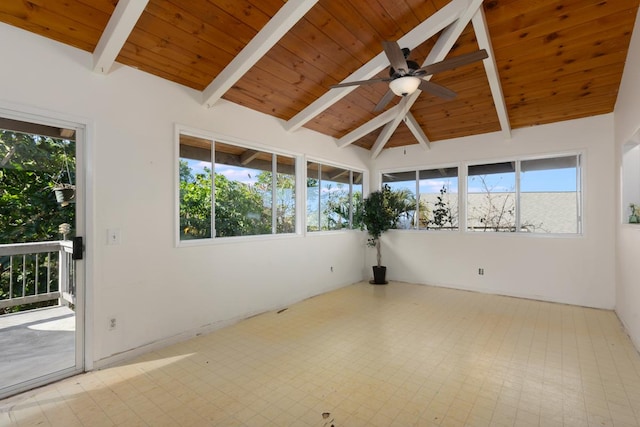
(214, 137)
(416, 171)
(463, 188)
(351, 170)
(580, 184)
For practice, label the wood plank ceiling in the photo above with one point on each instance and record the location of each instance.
(553, 59)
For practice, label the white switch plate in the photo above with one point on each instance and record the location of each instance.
(113, 236)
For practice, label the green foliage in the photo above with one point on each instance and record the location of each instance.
(195, 203)
(240, 209)
(381, 211)
(30, 166)
(442, 214)
(285, 205)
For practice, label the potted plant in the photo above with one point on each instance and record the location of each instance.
(380, 212)
(65, 193)
(634, 218)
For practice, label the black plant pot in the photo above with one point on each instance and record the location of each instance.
(379, 275)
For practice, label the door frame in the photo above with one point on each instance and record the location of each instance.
(84, 227)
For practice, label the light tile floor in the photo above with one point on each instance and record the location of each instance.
(395, 355)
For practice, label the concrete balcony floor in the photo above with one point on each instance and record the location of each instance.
(36, 343)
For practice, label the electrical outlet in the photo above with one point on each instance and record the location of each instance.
(332, 268)
(481, 271)
(112, 323)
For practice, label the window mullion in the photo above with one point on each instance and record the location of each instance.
(417, 214)
(517, 201)
(350, 199)
(213, 189)
(319, 197)
(274, 189)
(579, 193)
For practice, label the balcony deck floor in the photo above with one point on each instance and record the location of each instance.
(36, 343)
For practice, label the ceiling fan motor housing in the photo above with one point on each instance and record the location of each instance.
(412, 65)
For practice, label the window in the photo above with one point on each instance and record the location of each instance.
(491, 197)
(549, 196)
(252, 191)
(334, 196)
(437, 191)
(541, 195)
(439, 195)
(534, 196)
(404, 185)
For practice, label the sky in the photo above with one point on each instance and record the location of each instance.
(542, 181)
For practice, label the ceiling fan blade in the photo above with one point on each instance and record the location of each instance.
(360, 82)
(436, 89)
(451, 63)
(386, 99)
(395, 56)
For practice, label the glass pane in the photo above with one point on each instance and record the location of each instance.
(286, 195)
(549, 195)
(439, 199)
(334, 198)
(243, 196)
(313, 196)
(403, 184)
(38, 188)
(491, 199)
(195, 188)
(356, 200)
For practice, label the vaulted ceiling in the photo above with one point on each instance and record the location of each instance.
(549, 60)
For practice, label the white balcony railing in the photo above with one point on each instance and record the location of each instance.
(36, 272)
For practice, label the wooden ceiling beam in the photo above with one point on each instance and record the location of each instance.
(424, 31)
(288, 15)
(368, 127)
(248, 156)
(439, 52)
(484, 42)
(124, 18)
(417, 131)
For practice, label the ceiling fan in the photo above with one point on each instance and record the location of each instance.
(405, 76)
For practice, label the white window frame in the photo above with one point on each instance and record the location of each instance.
(351, 169)
(226, 139)
(580, 183)
(462, 191)
(417, 170)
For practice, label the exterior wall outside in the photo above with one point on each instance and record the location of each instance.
(627, 123)
(573, 269)
(156, 290)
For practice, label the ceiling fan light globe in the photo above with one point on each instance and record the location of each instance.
(403, 86)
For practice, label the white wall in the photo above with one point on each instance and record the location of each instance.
(155, 290)
(574, 270)
(627, 122)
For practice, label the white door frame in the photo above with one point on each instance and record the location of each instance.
(84, 226)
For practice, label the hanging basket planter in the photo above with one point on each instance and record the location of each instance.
(65, 194)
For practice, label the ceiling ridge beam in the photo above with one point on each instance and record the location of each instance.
(368, 127)
(417, 131)
(418, 35)
(115, 35)
(288, 15)
(439, 52)
(491, 68)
